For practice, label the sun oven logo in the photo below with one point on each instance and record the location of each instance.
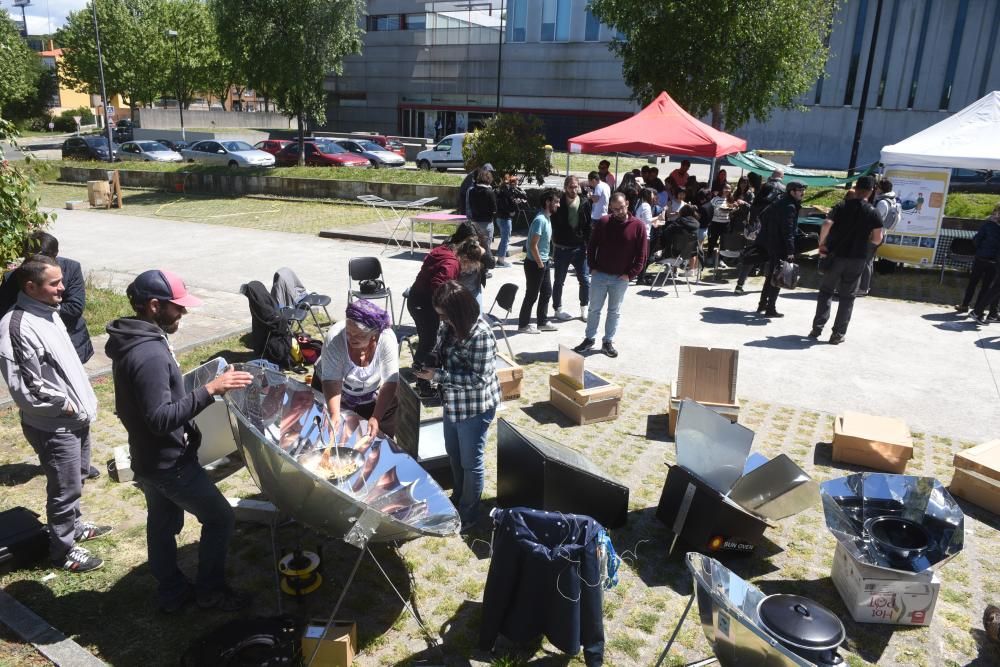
(719, 542)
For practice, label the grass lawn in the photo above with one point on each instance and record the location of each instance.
(108, 610)
(958, 204)
(579, 162)
(103, 305)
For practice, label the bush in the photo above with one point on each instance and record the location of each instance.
(512, 143)
(64, 122)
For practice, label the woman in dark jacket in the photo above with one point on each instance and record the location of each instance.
(509, 198)
(483, 206)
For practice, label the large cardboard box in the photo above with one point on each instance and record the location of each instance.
(337, 648)
(706, 375)
(874, 595)
(977, 475)
(583, 396)
(510, 374)
(99, 194)
(882, 443)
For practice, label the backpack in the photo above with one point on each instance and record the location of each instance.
(893, 214)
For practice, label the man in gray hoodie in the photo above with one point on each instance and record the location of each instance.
(57, 405)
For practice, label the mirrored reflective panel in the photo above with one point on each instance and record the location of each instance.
(710, 446)
(775, 489)
(325, 475)
(217, 438)
(202, 375)
(898, 522)
(571, 367)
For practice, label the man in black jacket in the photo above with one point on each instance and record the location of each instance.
(777, 236)
(570, 234)
(163, 441)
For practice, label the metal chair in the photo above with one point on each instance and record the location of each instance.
(368, 268)
(731, 246)
(314, 300)
(960, 250)
(402, 309)
(679, 261)
(293, 316)
(505, 299)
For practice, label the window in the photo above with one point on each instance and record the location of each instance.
(385, 23)
(920, 55)
(444, 146)
(555, 20)
(984, 80)
(592, 31)
(956, 45)
(415, 21)
(859, 36)
(888, 54)
(517, 15)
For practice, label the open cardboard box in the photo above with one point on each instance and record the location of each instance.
(510, 375)
(583, 396)
(706, 375)
(879, 595)
(337, 647)
(881, 443)
(977, 475)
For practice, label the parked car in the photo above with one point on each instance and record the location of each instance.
(375, 154)
(231, 153)
(320, 153)
(123, 130)
(88, 148)
(147, 151)
(447, 154)
(174, 144)
(272, 146)
(392, 144)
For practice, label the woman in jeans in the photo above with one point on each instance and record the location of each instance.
(509, 197)
(470, 392)
(537, 279)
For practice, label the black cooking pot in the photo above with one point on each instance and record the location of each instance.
(900, 540)
(808, 629)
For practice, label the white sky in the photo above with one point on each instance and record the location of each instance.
(44, 16)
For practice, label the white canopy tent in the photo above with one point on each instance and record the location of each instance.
(969, 139)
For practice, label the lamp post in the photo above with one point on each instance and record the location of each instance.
(104, 95)
(172, 34)
(500, 54)
(859, 126)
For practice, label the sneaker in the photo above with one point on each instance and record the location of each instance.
(608, 349)
(815, 333)
(961, 308)
(79, 560)
(773, 313)
(761, 310)
(91, 531)
(980, 318)
(503, 264)
(836, 338)
(528, 330)
(547, 327)
(993, 317)
(585, 345)
(93, 473)
(722, 265)
(224, 600)
(739, 290)
(175, 605)
(562, 315)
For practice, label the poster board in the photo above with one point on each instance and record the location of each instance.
(921, 192)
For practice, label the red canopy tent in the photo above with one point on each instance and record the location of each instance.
(662, 128)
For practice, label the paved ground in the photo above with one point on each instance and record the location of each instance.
(911, 360)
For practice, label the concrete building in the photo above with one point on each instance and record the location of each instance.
(431, 68)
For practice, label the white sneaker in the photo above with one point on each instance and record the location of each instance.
(583, 312)
(528, 330)
(503, 264)
(562, 315)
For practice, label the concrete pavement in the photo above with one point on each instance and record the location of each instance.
(915, 361)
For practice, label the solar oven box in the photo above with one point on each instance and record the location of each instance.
(878, 595)
(510, 375)
(583, 396)
(977, 476)
(881, 443)
(706, 375)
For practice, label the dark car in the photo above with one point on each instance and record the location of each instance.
(173, 144)
(272, 146)
(123, 130)
(319, 154)
(88, 148)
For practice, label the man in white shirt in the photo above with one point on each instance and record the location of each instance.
(600, 195)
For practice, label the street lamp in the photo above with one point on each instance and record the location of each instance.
(104, 95)
(172, 34)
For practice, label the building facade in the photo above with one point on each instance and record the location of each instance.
(428, 69)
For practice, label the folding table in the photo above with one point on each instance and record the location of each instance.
(378, 203)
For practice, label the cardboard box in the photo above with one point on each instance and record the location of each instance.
(706, 375)
(978, 489)
(598, 401)
(882, 443)
(337, 648)
(983, 459)
(875, 595)
(77, 205)
(99, 194)
(510, 375)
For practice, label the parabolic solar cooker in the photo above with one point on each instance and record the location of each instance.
(745, 627)
(339, 480)
(896, 522)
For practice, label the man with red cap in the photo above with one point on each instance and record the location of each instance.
(163, 442)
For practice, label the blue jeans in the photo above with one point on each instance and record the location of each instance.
(505, 225)
(170, 493)
(487, 229)
(563, 258)
(465, 442)
(605, 286)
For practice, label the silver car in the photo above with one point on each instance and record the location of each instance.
(230, 153)
(377, 155)
(147, 151)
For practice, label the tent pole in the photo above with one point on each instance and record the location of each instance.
(567, 163)
(616, 168)
(711, 173)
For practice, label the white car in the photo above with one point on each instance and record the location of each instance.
(377, 155)
(230, 153)
(447, 154)
(147, 151)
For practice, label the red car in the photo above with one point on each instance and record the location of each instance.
(319, 154)
(390, 144)
(272, 146)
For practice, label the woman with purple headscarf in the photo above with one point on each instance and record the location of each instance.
(359, 368)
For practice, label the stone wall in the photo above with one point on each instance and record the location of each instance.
(164, 119)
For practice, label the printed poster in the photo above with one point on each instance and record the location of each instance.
(921, 193)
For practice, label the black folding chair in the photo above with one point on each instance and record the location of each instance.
(960, 251)
(368, 268)
(505, 299)
(678, 259)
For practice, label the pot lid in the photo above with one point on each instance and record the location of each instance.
(800, 622)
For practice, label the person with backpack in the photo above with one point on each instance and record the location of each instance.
(984, 267)
(889, 211)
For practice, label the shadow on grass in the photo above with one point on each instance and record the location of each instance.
(15, 474)
(656, 428)
(548, 356)
(543, 413)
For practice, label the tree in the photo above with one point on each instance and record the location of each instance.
(512, 143)
(735, 59)
(18, 64)
(196, 48)
(289, 47)
(19, 214)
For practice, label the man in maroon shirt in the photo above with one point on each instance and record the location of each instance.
(616, 254)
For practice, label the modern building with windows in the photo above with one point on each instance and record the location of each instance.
(432, 68)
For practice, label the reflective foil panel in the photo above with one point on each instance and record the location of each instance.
(775, 489)
(326, 475)
(851, 505)
(710, 446)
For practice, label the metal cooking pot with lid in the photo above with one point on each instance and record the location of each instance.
(809, 629)
(899, 540)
